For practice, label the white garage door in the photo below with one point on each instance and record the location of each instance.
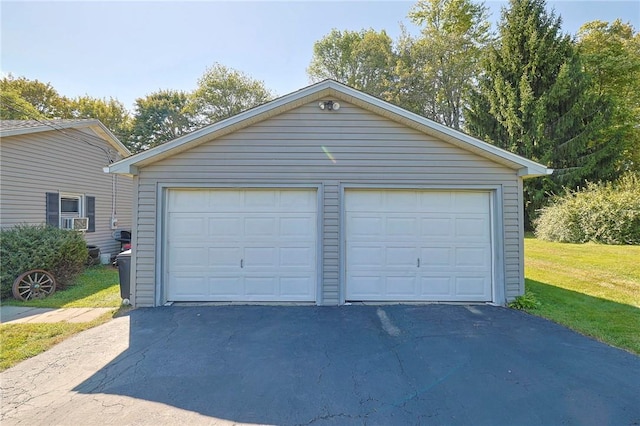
(405, 245)
(249, 245)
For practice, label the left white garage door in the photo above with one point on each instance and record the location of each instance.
(246, 245)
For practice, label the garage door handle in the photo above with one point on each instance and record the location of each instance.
(241, 263)
(418, 262)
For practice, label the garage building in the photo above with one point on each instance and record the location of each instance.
(325, 196)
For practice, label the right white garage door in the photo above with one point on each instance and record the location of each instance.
(410, 245)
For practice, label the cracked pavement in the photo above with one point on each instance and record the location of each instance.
(396, 364)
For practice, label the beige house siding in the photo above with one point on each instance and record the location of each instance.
(334, 150)
(36, 163)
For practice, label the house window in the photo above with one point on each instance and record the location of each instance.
(71, 206)
(71, 211)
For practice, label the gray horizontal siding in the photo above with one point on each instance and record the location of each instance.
(309, 146)
(37, 163)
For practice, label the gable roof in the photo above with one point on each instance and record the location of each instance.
(338, 91)
(23, 127)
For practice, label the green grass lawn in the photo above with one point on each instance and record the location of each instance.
(591, 288)
(97, 287)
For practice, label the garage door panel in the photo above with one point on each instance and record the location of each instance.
(189, 256)
(186, 227)
(263, 286)
(223, 287)
(401, 256)
(435, 257)
(365, 256)
(430, 240)
(296, 257)
(434, 286)
(366, 287)
(470, 286)
(436, 227)
(242, 245)
(472, 257)
(295, 287)
(222, 201)
(260, 257)
(470, 228)
(470, 202)
(298, 201)
(297, 227)
(401, 226)
(224, 257)
(435, 202)
(224, 227)
(257, 200)
(189, 285)
(258, 227)
(365, 226)
(401, 287)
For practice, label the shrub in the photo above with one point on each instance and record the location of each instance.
(525, 302)
(607, 213)
(61, 252)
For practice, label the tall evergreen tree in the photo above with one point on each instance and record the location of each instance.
(535, 100)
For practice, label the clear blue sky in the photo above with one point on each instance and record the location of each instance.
(129, 49)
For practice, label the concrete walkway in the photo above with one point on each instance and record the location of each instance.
(20, 314)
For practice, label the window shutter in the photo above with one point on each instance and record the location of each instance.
(91, 213)
(53, 209)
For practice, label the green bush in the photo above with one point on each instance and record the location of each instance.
(607, 213)
(61, 252)
(526, 302)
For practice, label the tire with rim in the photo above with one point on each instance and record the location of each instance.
(34, 284)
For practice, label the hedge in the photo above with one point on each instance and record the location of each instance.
(63, 253)
(607, 213)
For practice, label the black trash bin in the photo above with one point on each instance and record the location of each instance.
(124, 270)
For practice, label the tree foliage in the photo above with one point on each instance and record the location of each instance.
(42, 96)
(24, 99)
(535, 100)
(363, 60)
(160, 117)
(436, 70)
(112, 113)
(223, 92)
(611, 56)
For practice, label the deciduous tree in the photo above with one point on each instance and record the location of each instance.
(436, 70)
(223, 92)
(363, 60)
(160, 117)
(611, 56)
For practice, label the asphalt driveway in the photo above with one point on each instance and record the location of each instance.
(434, 364)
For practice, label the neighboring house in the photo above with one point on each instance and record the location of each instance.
(52, 172)
(327, 195)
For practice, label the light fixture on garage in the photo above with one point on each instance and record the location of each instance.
(329, 105)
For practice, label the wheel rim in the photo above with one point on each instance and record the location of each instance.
(35, 284)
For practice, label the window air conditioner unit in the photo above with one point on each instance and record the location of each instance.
(80, 223)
